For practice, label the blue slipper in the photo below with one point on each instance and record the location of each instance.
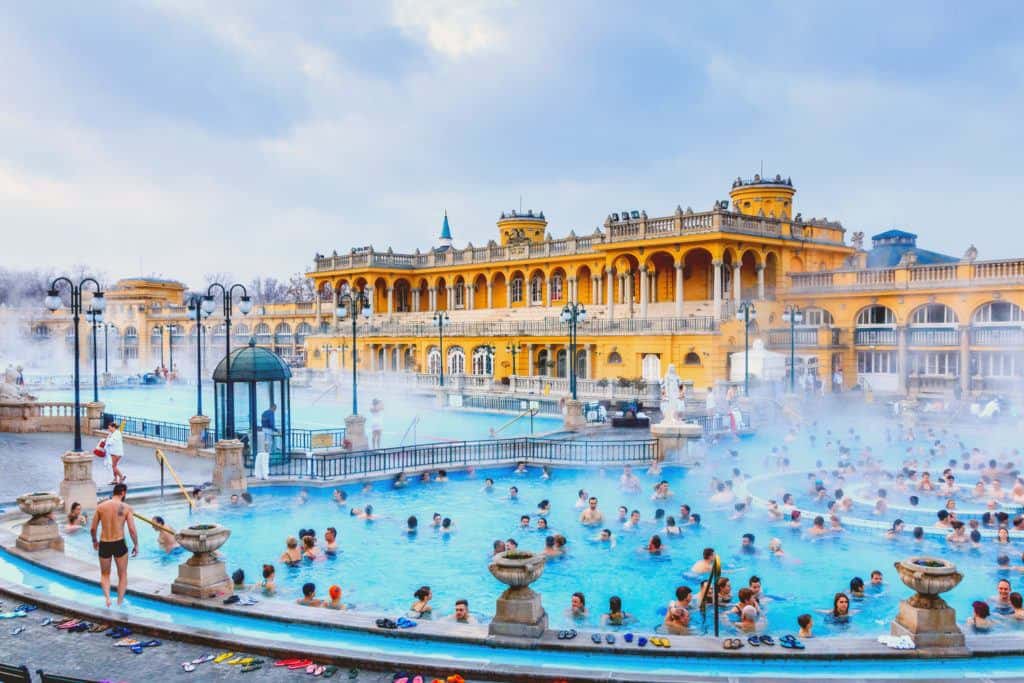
(610, 639)
(596, 638)
(641, 641)
(628, 637)
(405, 623)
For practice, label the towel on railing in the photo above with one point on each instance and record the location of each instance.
(261, 470)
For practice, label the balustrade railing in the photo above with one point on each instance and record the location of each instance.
(1005, 271)
(396, 327)
(917, 336)
(881, 336)
(997, 336)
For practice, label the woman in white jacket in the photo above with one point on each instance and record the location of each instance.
(115, 451)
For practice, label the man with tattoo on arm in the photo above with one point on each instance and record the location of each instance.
(112, 515)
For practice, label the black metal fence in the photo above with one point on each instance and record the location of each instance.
(460, 454)
(313, 439)
(154, 429)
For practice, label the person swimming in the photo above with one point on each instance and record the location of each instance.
(334, 592)
(615, 616)
(331, 541)
(421, 607)
(268, 585)
(292, 555)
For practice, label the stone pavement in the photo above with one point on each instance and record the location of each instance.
(31, 462)
(93, 656)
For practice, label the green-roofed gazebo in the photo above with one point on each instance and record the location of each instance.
(265, 378)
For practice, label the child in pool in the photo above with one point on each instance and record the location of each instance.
(615, 616)
(335, 602)
(806, 624)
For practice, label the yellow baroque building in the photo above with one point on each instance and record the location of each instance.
(666, 290)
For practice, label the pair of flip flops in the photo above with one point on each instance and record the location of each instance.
(254, 665)
(405, 623)
(658, 641)
(17, 630)
(790, 642)
(608, 638)
(567, 635)
(732, 644)
(294, 663)
(640, 640)
(137, 648)
(25, 608)
(406, 678)
(223, 657)
(756, 641)
(386, 624)
(191, 666)
(117, 632)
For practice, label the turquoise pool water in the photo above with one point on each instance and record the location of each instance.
(322, 409)
(803, 580)
(449, 654)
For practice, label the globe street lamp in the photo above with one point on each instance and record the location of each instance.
(794, 316)
(95, 318)
(244, 305)
(354, 303)
(196, 308)
(746, 312)
(441, 319)
(573, 314)
(514, 349)
(54, 303)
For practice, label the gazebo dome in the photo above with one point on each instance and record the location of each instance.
(252, 364)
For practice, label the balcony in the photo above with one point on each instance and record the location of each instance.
(997, 336)
(947, 275)
(933, 336)
(874, 336)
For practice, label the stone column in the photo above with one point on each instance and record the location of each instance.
(414, 300)
(529, 360)
(355, 432)
(587, 362)
(197, 426)
(645, 291)
(628, 293)
(760, 281)
(574, 419)
(430, 300)
(470, 295)
(611, 294)
(391, 299)
(229, 468)
(716, 273)
(595, 290)
(93, 417)
(679, 290)
(965, 361)
(550, 360)
(547, 293)
(901, 358)
(737, 284)
(490, 295)
(78, 485)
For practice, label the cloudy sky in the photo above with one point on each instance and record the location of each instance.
(180, 138)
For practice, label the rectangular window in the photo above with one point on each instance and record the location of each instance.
(877, 362)
(517, 290)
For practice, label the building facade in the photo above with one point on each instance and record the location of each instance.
(892, 317)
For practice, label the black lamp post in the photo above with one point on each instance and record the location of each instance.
(106, 347)
(195, 307)
(573, 314)
(244, 305)
(746, 312)
(95, 318)
(54, 303)
(441, 319)
(352, 302)
(792, 315)
(170, 344)
(514, 349)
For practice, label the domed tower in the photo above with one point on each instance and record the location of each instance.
(759, 196)
(519, 228)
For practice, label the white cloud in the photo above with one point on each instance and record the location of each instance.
(453, 28)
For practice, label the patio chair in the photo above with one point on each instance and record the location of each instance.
(57, 678)
(14, 674)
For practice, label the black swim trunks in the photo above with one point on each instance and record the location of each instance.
(110, 549)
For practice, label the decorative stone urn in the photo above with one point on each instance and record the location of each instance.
(925, 616)
(519, 612)
(203, 575)
(40, 532)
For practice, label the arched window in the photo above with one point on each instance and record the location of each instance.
(516, 289)
(381, 359)
(536, 290)
(325, 327)
(876, 316)
(40, 332)
(483, 360)
(240, 333)
(614, 358)
(998, 313)
(262, 333)
(816, 317)
(651, 367)
(218, 333)
(459, 294)
(434, 361)
(302, 331)
(543, 359)
(456, 361)
(283, 334)
(933, 314)
(561, 369)
(691, 359)
(556, 286)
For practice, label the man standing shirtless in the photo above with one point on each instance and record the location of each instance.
(113, 514)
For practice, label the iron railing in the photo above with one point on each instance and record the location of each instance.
(315, 439)
(156, 430)
(460, 454)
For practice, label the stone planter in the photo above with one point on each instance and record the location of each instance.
(78, 485)
(203, 575)
(925, 616)
(519, 612)
(41, 531)
(229, 474)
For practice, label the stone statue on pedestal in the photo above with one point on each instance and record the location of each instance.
(671, 401)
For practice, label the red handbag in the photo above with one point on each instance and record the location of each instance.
(101, 449)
